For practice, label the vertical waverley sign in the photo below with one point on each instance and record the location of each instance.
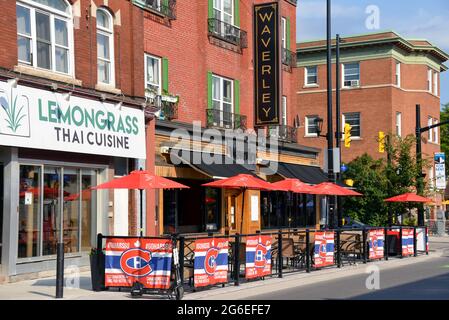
(267, 63)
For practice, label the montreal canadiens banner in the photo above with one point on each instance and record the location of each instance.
(376, 240)
(211, 262)
(324, 249)
(407, 242)
(258, 256)
(147, 261)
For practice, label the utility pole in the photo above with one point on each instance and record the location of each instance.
(338, 122)
(330, 130)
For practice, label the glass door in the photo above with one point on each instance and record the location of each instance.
(1, 210)
(71, 209)
(51, 210)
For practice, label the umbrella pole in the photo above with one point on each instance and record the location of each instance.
(141, 212)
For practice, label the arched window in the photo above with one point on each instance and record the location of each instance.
(105, 47)
(45, 34)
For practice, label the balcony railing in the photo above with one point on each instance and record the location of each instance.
(283, 133)
(225, 120)
(169, 111)
(166, 8)
(288, 58)
(227, 32)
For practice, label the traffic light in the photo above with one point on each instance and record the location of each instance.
(347, 135)
(381, 142)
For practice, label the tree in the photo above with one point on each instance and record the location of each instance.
(444, 133)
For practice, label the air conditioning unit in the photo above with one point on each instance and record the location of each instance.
(354, 83)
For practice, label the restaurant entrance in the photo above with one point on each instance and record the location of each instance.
(1, 211)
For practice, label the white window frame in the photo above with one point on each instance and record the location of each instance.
(109, 33)
(429, 123)
(429, 80)
(399, 124)
(307, 122)
(159, 91)
(343, 74)
(284, 32)
(343, 122)
(222, 12)
(220, 100)
(53, 14)
(306, 76)
(435, 83)
(436, 133)
(398, 74)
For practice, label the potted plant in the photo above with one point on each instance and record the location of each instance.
(97, 265)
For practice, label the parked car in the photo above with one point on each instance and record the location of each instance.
(354, 224)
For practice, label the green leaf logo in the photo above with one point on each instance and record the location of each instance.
(14, 115)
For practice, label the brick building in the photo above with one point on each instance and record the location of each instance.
(71, 116)
(383, 77)
(199, 59)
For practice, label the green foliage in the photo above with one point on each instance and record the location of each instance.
(381, 179)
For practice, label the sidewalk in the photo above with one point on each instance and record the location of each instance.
(44, 289)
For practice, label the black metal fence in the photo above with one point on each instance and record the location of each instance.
(296, 250)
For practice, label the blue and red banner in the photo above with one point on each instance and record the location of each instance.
(324, 249)
(211, 262)
(258, 256)
(407, 242)
(147, 261)
(376, 240)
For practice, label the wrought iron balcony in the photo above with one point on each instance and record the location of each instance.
(288, 58)
(227, 32)
(166, 8)
(225, 120)
(283, 133)
(169, 111)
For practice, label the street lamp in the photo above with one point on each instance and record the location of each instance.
(319, 126)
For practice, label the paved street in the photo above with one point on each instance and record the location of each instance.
(424, 277)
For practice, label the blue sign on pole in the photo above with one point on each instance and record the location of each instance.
(344, 168)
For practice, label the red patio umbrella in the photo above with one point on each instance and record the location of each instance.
(86, 194)
(294, 185)
(408, 197)
(332, 189)
(141, 180)
(243, 182)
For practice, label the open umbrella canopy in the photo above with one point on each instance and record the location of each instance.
(331, 189)
(293, 185)
(141, 180)
(408, 197)
(243, 181)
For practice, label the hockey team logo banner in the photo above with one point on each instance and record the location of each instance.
(258, 256)
(211, 262)
(376, 240)
(324, 249)
(147, 261)
(407, 242)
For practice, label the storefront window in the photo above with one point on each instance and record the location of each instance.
(40, 212)
(29, 211)
(212, 204)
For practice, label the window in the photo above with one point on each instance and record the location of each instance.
(435, 83)
(284, 111)
(398, 74)
(284, 32)
(224, 11)
(311, 126)
(398, 124)
(353, 119)
(222, 100)
(311, 75)
(153, 74)
(429, 80)
(429, 123)
(351, 74)
(435, 133)
(43, 36)
(105, 47)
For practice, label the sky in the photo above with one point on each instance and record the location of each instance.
(415, 19)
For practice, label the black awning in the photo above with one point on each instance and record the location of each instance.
(227, 168)
(307, 174)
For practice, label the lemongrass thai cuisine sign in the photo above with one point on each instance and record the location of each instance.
(40, 119)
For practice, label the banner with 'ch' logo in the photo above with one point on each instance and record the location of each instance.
(258, 256)
(211, 262)
(324, 249)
